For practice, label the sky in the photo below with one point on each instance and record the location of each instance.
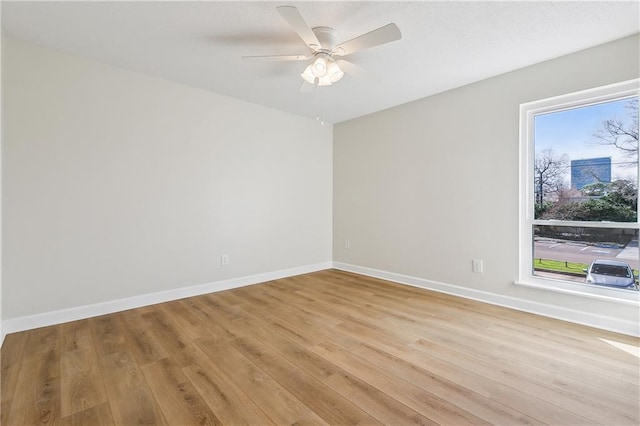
(571, 132)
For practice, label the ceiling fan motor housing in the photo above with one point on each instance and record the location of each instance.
(326, 38)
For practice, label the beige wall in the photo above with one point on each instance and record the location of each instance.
(424, 188)
(118, 184)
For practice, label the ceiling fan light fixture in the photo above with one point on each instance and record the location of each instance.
(324, 81)
(320, 64)
(323, 70)
(308, 76)
(334, 72)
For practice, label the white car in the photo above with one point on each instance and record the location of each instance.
(610, 273)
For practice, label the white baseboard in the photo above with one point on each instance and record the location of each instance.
(29, 322)
(82, 312)
(591, 319)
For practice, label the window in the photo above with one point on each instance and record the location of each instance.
(579, 193)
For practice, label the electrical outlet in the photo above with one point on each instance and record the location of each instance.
(347, 244)
(477, 266)
(224, 260)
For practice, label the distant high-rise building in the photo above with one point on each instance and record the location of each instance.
(590, 170)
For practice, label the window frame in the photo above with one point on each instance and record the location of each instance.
(528, 111)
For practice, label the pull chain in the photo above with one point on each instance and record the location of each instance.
(320, 116)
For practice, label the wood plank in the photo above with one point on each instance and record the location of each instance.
(300, 356)
(131, 399)
(375, 402)
(473, 402)
(305, 327)
(5, 409)
(180, 403)
(99, 415)
(192, 319)
(370, 421)
(518, 359)
(217, 305)
(108, 336)
(231, 405)
(331, 407)
(81, 384)
(522, 358)
(277, 402)
(426, 403)
(600, 411)
(11, 359)
(213, 321)
(142, 343)
(172, 338)
(36, 399)
(493, 389)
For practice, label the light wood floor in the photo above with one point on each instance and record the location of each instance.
(328, 347)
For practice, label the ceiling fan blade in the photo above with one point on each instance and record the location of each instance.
(349, 67)
(279, 57)
(299, 25)
(382, 35)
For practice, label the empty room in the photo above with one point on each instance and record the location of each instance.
(344, 213)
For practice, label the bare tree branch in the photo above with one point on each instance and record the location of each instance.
(549, 172)
(622, 134)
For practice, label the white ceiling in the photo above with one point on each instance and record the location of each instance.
(444, 44)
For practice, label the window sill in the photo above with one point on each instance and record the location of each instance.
(612, 295)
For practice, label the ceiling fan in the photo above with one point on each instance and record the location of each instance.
(323, 68)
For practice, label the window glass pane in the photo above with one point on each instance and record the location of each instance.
(586, 163)
(605, 257)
